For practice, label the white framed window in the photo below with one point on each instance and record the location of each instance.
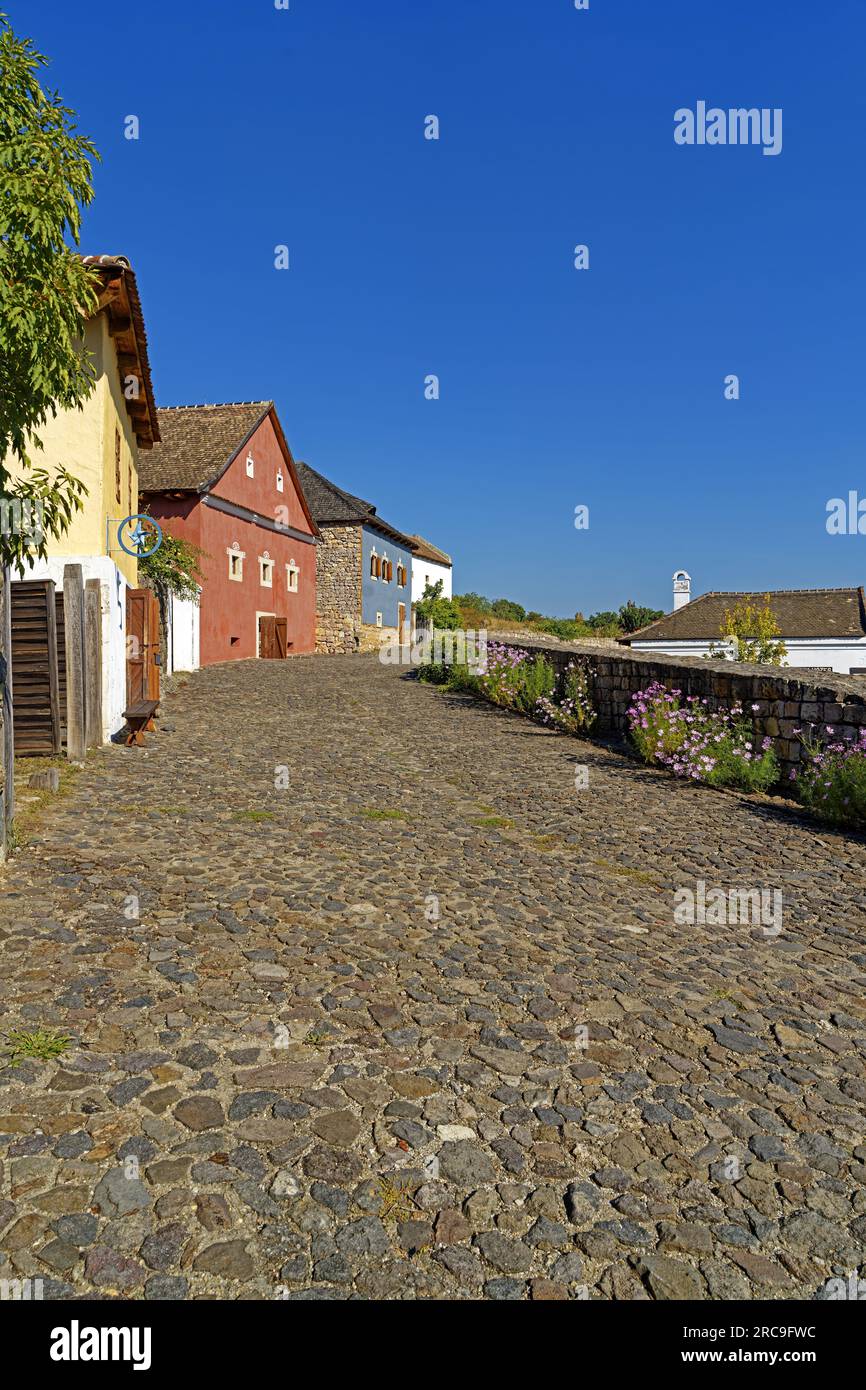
(378, 619)
(292, 573)
(279, 480)
(375, 565)
(251, 466)
(266, 571)
(236, 562)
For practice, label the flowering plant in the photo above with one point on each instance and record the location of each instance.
(570, 710)
(832, 781)
(716, 746)
(510, 678)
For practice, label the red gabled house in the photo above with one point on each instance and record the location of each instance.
(223, 477)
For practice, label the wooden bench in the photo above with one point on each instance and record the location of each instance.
(139, 717)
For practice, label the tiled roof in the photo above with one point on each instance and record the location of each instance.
(799, 613)
(331, 505)
(120, 300)
(427, 551)
(198, 444)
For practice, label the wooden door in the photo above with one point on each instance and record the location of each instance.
(142, 646)
(401, 623)
(281, 637)
(267, 637)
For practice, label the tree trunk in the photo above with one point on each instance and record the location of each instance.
(7, 752)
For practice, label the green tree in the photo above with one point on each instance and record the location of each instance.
(46, 291)
(632, 616)
(505, 608)
(432, 608)
(756, 631)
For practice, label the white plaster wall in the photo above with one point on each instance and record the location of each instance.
(837, 653)
(183, 635)
(113, 589)
(424, 571)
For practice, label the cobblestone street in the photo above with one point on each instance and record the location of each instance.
(340, 1050)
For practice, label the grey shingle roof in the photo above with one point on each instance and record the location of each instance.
(331, 505)
(426, 550)
(799, 613)
(197, 444)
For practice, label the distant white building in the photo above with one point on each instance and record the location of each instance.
(820, 627)
(429, 564)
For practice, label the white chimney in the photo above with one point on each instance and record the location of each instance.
(682, 589)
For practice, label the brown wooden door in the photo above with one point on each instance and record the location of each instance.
(281, 637)
(267, 637)
(142, 646)
(401, 623)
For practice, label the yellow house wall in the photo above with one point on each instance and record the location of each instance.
(83, 441)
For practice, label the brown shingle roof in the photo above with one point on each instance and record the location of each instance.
(198, 444)
(427, 551)
(799, 613)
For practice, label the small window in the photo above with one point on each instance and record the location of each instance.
(279, 480)
(375, 566)
(236, 564)
(378, 619)
(401, 576)
(292, 572)
(251, 467)
(386, 569)
(266, 571)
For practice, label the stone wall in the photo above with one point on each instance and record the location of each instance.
(786, 699)
(372, 636)
(338, 589)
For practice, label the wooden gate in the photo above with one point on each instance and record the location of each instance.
(273, 637)
(142, 646)
(36, 691)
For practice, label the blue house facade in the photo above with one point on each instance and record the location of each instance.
(386, 579)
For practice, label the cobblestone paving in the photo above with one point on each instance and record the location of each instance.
(290, 1078)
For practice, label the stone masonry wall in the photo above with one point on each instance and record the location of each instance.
(786, 700)
(338, 589)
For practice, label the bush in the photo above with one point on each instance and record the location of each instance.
(512, 679)
(504, 608)
(832, 784)
(570, 709)
(712, 746)
(442, 613)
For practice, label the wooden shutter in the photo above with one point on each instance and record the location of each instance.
(35, 676)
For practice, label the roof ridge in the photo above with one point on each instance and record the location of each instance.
(215, 405)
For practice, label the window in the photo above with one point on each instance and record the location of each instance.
(129, 484)
(378, 619)
(279, 480)
(117, 465)
(236, 563)
(292, 572)
(251, 467)
(375, 565)
(401, 576)
(266, 571)
(387, 569)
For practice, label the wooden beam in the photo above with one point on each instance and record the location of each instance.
(73, 621)
(93, 661)
(53, 668)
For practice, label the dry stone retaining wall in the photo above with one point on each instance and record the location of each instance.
(786, 699)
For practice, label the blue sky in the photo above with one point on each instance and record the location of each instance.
(602, 387)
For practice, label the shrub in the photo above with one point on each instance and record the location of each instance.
(512, 679)
(505, 608)
(571, 708)
(441, 613)
(832, 783)
(712, 746)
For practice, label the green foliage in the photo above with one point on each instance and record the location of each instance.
(715, 746)
(175, 568)
(475, 602)
(504, 608)
(442, 613)
(756, 631)
(41, 1044)
(632, 616)
(570, 708)
(831, 781)
(46, 291)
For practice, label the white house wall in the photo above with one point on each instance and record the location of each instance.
(183, 635)
(428, 571)
(838, 654)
